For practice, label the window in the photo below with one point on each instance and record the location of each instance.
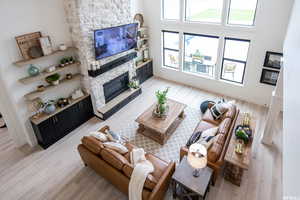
(204, 10)
(234, 59)
(171, 9)
(200, 54)
(171, 49)
(242, 12)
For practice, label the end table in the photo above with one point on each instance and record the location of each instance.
(186, 186)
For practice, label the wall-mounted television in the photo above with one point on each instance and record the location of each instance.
(115, 40)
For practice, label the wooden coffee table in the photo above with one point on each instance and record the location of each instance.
(235, 164)
(158, 129)
(186, 186)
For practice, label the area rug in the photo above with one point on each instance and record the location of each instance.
(170, 150)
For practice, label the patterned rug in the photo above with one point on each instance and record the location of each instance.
(170, 150)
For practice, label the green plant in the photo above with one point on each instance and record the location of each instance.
(52, 78)
(161, 100)
(133, 84)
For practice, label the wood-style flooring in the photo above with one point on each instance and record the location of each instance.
(58, 173)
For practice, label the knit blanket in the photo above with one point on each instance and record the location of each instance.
(142, 167)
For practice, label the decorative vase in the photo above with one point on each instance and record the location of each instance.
(49, 109)
(33, 70)
(161, 111)
(55, 82)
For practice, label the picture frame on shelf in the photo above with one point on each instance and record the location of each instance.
(269, 77)
(273, 60)
(29, 45)
(46, 45)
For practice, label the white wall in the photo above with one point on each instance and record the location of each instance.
(271, 23)
(291, 114)
(17, 18)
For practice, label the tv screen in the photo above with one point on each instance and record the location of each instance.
(115, 40)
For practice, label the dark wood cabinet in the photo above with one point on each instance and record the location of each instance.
(145, 72)
(56, 127)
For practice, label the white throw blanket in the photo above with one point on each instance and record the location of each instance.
(142, 168)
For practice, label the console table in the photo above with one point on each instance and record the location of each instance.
(235, 164)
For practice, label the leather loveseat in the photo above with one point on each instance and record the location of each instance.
(116, 168)
(216, 153)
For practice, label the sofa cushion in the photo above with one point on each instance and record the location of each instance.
(203, 125)
(225, 126)
(113, 158)
(116, 146)
(92, 144)
(214, 152)
(159, 165)
(150, 181)
(208, 117)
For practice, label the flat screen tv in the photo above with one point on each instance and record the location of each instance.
(115, 40)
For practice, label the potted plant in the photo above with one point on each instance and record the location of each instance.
(53, 79)
(161, 108)
(133, 85)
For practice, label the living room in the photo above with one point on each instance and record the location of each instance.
(89, 86)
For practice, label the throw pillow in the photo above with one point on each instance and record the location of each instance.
(207, 137)
(116, 146)
(193, 139)
(100, 136)
(112, 136)
(218, 110)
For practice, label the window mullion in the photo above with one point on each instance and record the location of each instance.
(218, 68)
(181, 51)
(225, 12)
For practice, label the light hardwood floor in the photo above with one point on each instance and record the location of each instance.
(58, 173)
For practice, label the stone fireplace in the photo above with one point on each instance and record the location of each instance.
(85, 16)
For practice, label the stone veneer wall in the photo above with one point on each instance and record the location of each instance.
(84, 16)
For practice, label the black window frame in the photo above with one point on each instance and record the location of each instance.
(169, 49)
(201, 35)
(228, 15)
(234, 60)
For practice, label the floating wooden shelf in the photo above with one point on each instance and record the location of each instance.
(42, 117)
(31, 61)
(35, 94)
(43, 75)
(143, 64)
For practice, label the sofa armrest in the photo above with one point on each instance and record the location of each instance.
(183, 152)
(103, 129)
(162, 186)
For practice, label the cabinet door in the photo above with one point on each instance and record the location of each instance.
(85, 109)
(67, 120)
(48, 132)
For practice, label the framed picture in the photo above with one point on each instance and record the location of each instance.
(269, 76)
(29, 42)
(273, 60)
(46, 45)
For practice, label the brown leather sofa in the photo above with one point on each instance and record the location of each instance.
(116, 168)
(216, 153)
